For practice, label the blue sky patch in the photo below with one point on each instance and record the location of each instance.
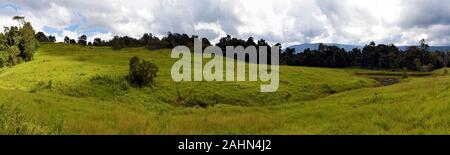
(50, 30)
(76, 27)
(10, 5)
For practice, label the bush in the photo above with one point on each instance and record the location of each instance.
(118, 85)
(188, 100)
(41, 86)
(405, 75)
(2, 63)
(327, 89)
(142, 73)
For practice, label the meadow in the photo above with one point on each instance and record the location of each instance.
(72, 89)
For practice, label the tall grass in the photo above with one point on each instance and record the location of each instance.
(14, 122)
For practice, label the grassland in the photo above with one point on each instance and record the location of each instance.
(62, 92)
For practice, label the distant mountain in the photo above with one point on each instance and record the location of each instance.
(432, 48)
(315, 46)
(348, 47)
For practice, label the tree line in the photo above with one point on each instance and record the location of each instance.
(372, 56)
(17, 43)
(148, 40)
(41, 37)
(171, 40)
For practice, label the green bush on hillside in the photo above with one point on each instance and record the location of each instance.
(2, 63)
(142, 73)
(42, 85)
(118, 85)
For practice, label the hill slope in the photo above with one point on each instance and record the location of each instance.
(56, 92)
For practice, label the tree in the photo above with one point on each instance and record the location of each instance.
(12, 36)
(423, 45)
(97, 42)
(20, 20)
(205, 43)
(250, 42)
(82, 40)
(288, 57)
(146, 38)
(72, 41)
(369, 56)
(13, 55)
(28, 43)
(116, 43)
(52, 39)
(67, 40)
(18, 44)
(3, 44)
(355, 57)
(41, 37)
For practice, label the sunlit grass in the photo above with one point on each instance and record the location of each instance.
(56, 90)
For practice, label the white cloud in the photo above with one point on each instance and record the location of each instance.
(212, 31)
(287, 21)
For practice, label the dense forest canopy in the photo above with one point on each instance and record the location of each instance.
(372, 56)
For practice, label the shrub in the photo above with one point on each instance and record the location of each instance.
(118, 85)
(197, 102)
(189, 100)
(404, 74)
(102, 80)
(2, 63)
(328, 89)
(41, 86)
(142, 73)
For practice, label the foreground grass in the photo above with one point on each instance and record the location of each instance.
(56, 93)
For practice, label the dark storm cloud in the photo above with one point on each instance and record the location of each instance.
(425, 13)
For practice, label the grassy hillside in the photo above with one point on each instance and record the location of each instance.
(64, 91)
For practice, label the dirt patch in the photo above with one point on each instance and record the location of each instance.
(386, 81)
(390, 78)
(393, 74)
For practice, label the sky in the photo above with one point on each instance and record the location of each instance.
(401, 22)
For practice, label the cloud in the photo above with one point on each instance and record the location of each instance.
(420, 13)
(287, 21)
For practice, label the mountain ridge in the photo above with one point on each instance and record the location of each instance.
(349, 47)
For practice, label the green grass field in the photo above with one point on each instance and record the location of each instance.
(59, 93)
